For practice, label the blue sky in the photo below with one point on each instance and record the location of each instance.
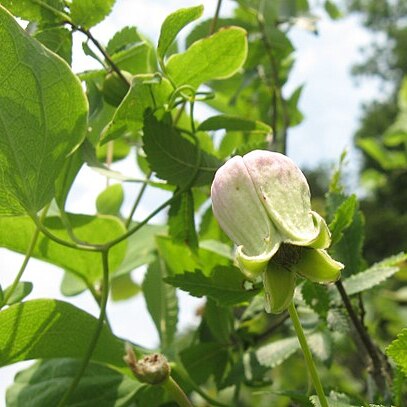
(331, 106)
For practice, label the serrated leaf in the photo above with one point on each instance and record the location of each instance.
(216, 57)
(225, 285)
(343, 218)
(397, 350)
(231, 123)
(347, 250)
(22, 290)
(17, 234)
(181, 220)
(373, 276)
(124, 38)
(143, 94)
(162, 303)
(173, 24)
(87, 13)
(173, 157)
(44, 384)
(110, 200)
(205, 359)
(316, 297)
(43, 113)
(320, 344)
(275, 353)
(31, 10)
(38, 329)
(58, 40)
(219, 320)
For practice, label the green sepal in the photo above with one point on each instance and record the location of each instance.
(253, 266)
(323, 240)
(317, 266)
(279, 286)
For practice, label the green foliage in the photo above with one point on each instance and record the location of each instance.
(143, 104)
(18, 232)
(37, 330)
(173, 24)
(224, 285)
(397, 350)
(50, 122)
(87, 13)
(146, 91)
(216, 57)
(44, 384)
(162, 303)
(110, 200)
(173, 157)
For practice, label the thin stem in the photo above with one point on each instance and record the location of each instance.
(92, 345)
(381, 374)
(102, 50)
(176, 393)
(72, 245)
(215, 18)
(137, 201)
(27, 257)
(307, 355)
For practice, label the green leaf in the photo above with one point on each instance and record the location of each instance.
(332, 10)
(397, 350)
(87, 13)
(181, 220)
(275, 353)
(145, 92)
(53, 329)
(317, 298)
(110, 200)
(173, 157)
(203, 360)
(374, 275)
(162, 303)
(32, 10)
(58, 40)
(173, 24)
(141, 248)
(343, 218)
(225, 285)
(219, 320)
(131, 52)
(42, 119)
(22, 290)
(123, 288)
(231, 123)
(17, 234)
(44, 383)
(348, 250)
(216, 57)
(72, 285)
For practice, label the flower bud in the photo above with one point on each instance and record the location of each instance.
(262, 202)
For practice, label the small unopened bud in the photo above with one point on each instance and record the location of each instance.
(152, 369)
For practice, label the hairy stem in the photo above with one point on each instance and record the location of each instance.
(176, 392)
(307, 355)
(93, 342)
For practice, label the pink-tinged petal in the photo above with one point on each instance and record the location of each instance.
(284, 192)
(239, 212)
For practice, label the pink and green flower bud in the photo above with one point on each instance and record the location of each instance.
(262, 201)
